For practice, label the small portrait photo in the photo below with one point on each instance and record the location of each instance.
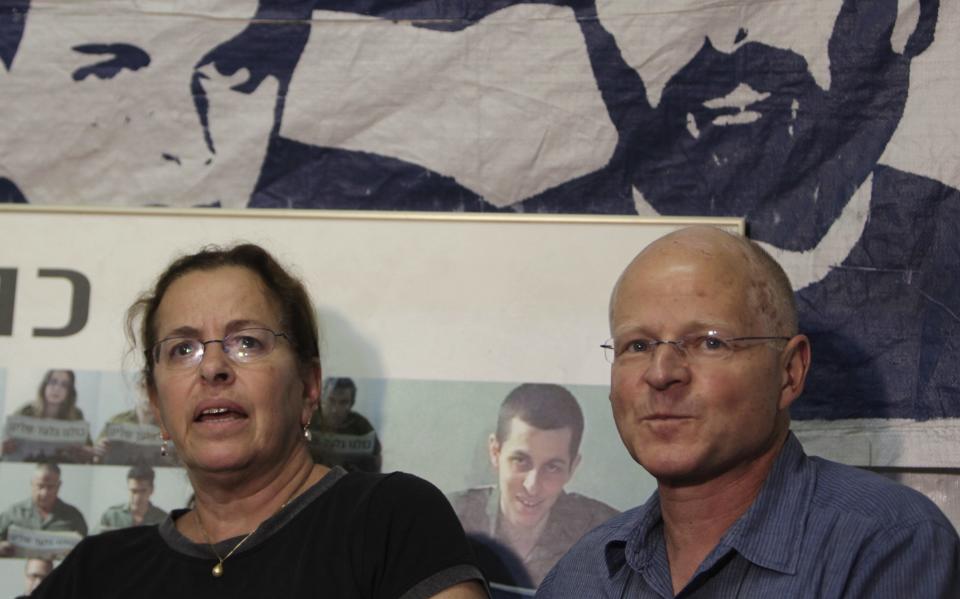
(42, 507)
(47, 420)
(527, 467)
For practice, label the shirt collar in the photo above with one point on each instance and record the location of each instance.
(769, 534)
(633, 541)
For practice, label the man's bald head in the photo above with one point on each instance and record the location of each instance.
(765, 285)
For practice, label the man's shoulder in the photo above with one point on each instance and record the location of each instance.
(470, 501)
(357, 424)
(63, 508)
(576, 506)
(474, 493)
(868, 497)
(128, 417)
(19, 507)
(115, 509)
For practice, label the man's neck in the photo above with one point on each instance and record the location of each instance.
(521, 539)
(695, 517)
(138, 513)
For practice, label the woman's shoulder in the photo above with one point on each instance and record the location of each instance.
(98, 562)
(111, 548)
(393, 484)
(366, 494)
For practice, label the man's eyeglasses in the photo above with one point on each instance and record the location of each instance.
(243, 346)
(695, 347)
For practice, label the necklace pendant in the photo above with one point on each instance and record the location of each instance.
(217, 570)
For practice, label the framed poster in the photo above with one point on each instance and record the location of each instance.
(433, 318)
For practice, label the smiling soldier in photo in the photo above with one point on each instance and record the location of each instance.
(526, 522)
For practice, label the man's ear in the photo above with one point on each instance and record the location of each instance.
(794, 365)
(312, 377)
(493, 447)
(574, 464)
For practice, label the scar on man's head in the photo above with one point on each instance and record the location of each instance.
(768, 289)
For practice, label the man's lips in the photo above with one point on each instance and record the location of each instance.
(735, 107)
(528, 502)
(666, 417)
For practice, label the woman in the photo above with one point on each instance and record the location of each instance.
(232, 371)
(56, 398)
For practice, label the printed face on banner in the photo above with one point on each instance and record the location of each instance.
(107, 110)
(223, 415)
(140, 492)
(44, 487)
(34, 573)
(57, 389)
(336, 406)
(532, 467)
(802, 29)
(683, 422)
(751, 103)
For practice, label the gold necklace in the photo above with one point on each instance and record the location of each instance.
(217, 570)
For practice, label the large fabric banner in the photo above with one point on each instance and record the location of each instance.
(828, 124)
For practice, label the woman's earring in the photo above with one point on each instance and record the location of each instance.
(307, 434)
(163, 447)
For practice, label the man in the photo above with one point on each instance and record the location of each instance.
(340, 436)
(524, 524)
(34, 572)
(121, 440)
(706, 362)
(138, 511)
(43, 511)
(734, 114)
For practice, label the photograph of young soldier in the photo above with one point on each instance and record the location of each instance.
(524, 523)
(141, 423)
(339, 435)
(138, 510)
(42, 511)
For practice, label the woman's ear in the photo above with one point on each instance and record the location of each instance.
(312, 378)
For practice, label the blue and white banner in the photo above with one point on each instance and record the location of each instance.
(829, 125)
